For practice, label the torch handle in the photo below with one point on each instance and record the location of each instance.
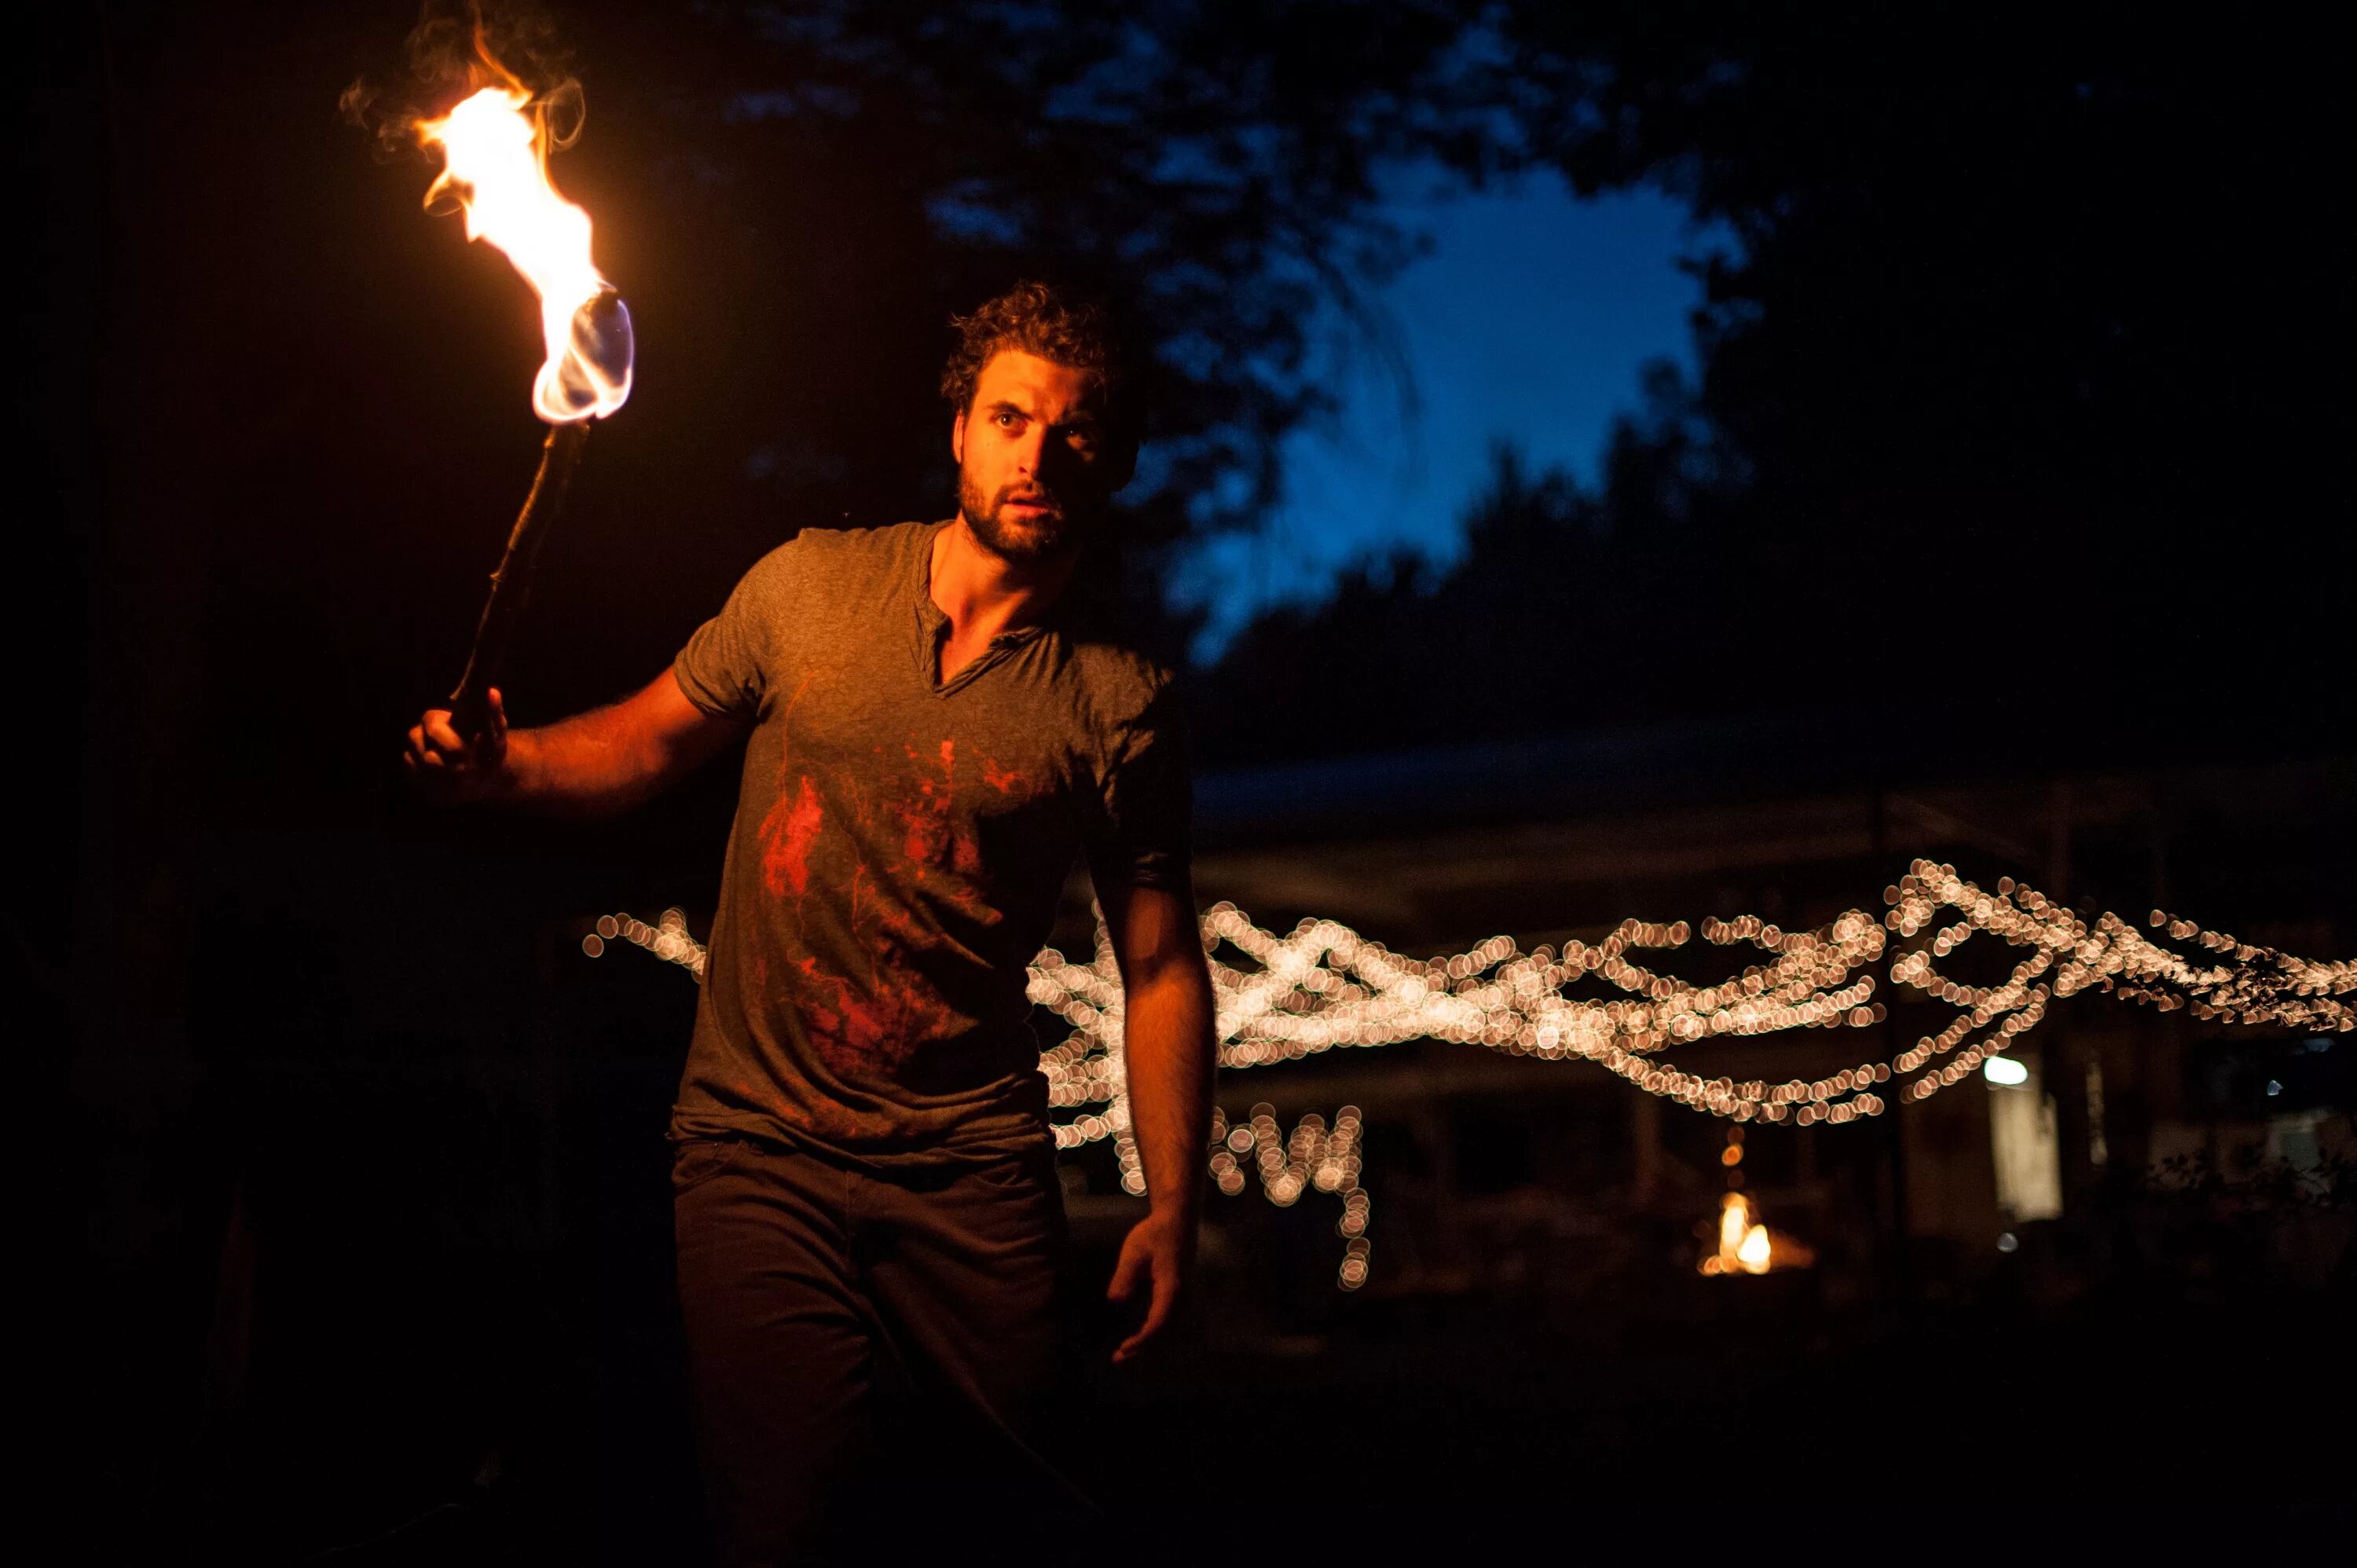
(512, 582)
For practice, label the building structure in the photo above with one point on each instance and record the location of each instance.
(1492, 1172)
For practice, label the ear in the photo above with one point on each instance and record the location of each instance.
(957, 439)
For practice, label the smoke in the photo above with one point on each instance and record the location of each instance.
(460, 47)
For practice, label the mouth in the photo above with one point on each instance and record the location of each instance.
(1029, 509)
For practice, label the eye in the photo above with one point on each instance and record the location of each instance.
(1005, 419)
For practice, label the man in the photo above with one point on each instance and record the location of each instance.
(863, 1180)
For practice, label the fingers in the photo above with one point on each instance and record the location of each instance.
(1158, 1314)
(1135, 1261)
(429, 750)
(1148, 1257)
(498, 727)
(425, 754)
(439, 731)
(438, 758)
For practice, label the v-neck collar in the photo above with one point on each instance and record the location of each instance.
(933, 624)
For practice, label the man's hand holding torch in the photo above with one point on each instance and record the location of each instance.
(494, 150)
(452, 769)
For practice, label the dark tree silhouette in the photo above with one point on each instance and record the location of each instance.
(1570, 609)
(840, 176)
(2028, 366)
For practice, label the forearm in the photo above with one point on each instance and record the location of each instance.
(591, 765)
(1170, 1058)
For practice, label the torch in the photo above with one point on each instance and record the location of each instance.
(495, 165)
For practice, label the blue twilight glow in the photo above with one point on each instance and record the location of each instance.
(1528, 323)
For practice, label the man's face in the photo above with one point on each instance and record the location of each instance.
(1035, 465)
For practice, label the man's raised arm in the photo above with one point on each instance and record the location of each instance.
(591, 765)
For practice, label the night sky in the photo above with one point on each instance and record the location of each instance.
(1525, 324)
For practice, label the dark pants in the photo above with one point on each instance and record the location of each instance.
(870, 1355)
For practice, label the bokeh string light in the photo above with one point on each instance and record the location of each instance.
(667, 938)
(1323, 986)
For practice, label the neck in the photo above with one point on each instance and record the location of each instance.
(984, 594)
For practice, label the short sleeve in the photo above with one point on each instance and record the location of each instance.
(727, 666)
(1139, 833)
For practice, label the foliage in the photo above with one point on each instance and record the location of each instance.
(1555, 619)
(2026, 366)
(1214, 164)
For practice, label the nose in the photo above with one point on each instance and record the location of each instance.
(1028, 450)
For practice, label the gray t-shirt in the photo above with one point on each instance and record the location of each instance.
(900, 844)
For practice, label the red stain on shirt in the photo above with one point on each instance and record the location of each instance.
(787, 834)
(931, 833)
(859, 1028)
(794, 818)
(891, 851)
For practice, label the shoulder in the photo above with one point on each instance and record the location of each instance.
(1122, 683)
(832, 559)
(888, 539)
(890, 542)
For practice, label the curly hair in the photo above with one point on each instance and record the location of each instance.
(1054, 323)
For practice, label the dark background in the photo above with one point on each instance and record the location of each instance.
(2019, 441)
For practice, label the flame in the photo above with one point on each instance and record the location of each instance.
(1744, 1246)
(1734, 1215)
(494, 162)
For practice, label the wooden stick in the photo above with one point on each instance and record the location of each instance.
(512, 582)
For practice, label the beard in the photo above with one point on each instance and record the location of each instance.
(1052, 534)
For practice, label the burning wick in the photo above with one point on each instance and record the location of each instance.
(495, 165)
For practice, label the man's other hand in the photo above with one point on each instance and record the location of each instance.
(448, 767)
(1158, 1252)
